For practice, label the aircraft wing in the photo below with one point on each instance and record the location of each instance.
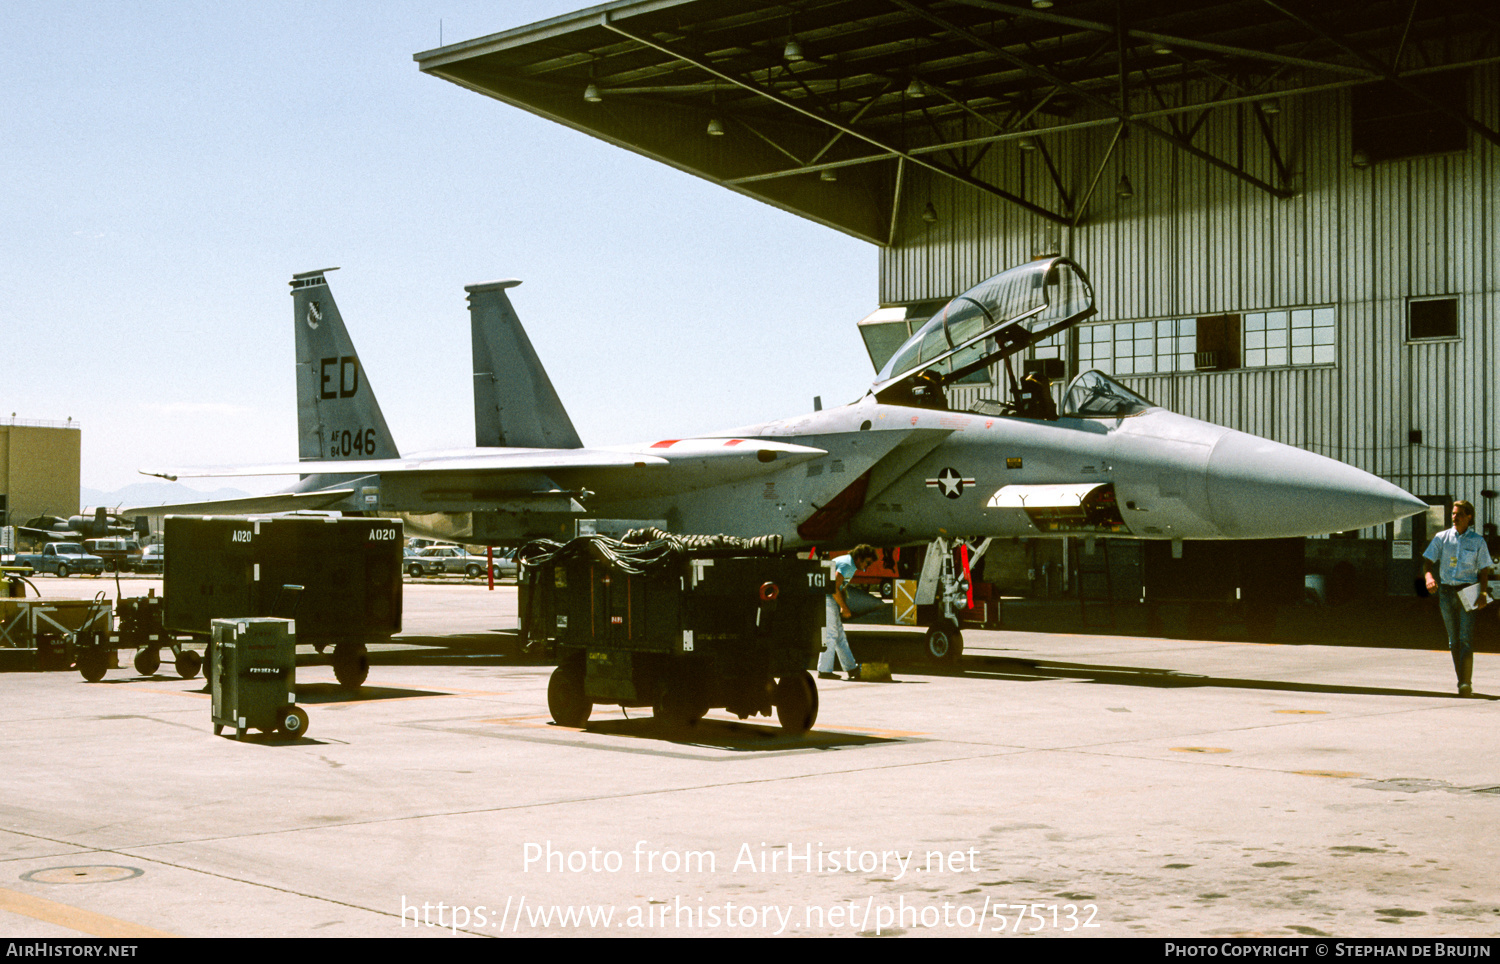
(277, 502)
(501, 461)
(493, 460)
(35, 533)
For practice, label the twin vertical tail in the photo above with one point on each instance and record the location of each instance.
(337, 415)
(514, 402)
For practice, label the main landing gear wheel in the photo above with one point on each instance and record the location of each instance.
(797, 703)
(148, 661)
(566, 700)
(351, 664)
(945, 644)
(292, 721)
(188, 664)
(93, 664)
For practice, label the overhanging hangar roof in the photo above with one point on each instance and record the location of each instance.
(885, 87)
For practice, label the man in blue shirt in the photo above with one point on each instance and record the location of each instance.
(861, 557)
(1457, 558)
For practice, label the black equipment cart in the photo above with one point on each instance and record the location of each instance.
(682, 625)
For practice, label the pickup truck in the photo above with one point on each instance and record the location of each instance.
(61, 559)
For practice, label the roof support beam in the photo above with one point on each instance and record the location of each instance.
(890, 239)
(1040, 132)
(855, 119)
(1169, 39)
(889, 150)
(1120, 111)
(1282, 172)
(1089, 194)
(1389, 73)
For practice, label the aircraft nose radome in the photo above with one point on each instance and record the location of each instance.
(1259, 489)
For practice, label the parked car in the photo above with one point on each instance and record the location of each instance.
(153, 559)
(454, 560)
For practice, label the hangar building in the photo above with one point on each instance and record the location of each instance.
(39, 469)
(1286, 209)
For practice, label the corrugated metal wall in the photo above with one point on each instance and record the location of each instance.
(1196, 241)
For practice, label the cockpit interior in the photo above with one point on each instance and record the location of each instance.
(990, 324)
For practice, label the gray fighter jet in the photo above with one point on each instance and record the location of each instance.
(896, 467)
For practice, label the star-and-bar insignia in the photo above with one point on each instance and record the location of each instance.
(950, 483)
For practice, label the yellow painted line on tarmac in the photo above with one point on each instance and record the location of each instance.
(73, 918)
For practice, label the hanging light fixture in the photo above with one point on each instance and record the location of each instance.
(1123, 189)
(793, 51)
(1271, 106)
(827, 174)
(1027, 143)
(591, 92)
(715, 127)
(1041, 4)
(916, 88)
(929, 214)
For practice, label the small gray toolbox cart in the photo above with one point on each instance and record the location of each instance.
(253, 677)
(680, 624)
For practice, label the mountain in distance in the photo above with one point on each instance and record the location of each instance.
(154, 493)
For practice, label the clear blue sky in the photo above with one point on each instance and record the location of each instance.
(169, 166)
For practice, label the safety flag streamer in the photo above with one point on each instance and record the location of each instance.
(963, 557)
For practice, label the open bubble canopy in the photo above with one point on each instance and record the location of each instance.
(993, 319)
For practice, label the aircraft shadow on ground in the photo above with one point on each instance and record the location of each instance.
(257, 738)
(314, 693)
(1015, 669)
(742, 735)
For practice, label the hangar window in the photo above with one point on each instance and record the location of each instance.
(1256, 339)
(1139, 347)
(1431, 318)
(1300, 336)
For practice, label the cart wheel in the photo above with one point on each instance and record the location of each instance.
(188, 664)
(887, 589)
(945, 643)
(351, 664)
(292, 721)
(147, 661)
(93, 664)
(797, 703)
(566, 699)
